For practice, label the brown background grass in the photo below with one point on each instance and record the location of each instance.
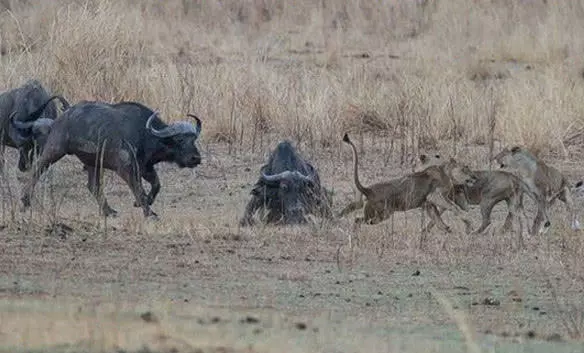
(401, 76)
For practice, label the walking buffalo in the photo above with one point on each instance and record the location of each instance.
(28, 103)
(127, 138)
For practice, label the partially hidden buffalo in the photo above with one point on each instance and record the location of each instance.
(30, 104)
(125, 137)
(288, 189)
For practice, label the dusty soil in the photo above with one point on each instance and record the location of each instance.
(195, 282)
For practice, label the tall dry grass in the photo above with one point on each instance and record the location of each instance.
(414, 71)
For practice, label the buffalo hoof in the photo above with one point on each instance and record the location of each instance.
(246, 222)
(152, 216)
(25, 204)
(111, 213)
(149, 201)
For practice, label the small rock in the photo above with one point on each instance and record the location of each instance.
(249, 320)
(215, 319)
(417, 273)
(535, 308)
(300, 325)
(531, 334)
(148, 317)
(462, 288)
(491, 302)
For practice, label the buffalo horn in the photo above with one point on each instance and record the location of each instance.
(286, 175)
(173, 129)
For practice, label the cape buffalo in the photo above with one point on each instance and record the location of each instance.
(288, 188)
(127, 138)
(22, 105)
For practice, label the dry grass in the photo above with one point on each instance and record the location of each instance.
(401, 76)
(421, 69)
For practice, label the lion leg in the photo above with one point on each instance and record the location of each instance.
(539, 218)
(566, 196)
(438, 199)
(435, 218)
(512, 207)
(486, 209)
(432, 222)
(370, 215)
(355, 205)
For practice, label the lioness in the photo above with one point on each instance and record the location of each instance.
(491, 188)
(421, 189)
(541, 179)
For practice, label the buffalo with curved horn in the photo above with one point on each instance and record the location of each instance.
(128, 138)
(25, 104)
(288, 189)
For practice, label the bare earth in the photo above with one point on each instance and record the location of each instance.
(195, 282)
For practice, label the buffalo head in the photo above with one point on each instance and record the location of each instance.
(180, 140)
(286, 193)
(29, 137)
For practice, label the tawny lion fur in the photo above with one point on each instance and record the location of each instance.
(491, 188)
(421, 189)
(542, 179)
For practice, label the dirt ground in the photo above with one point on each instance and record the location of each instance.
(195, 282)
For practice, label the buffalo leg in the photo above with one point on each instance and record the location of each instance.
(48, 157)
(151, 177)
(94, 185)
(252, 206)
(23, 159)
(129, 175)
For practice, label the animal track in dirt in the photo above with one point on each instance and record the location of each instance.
(531, 334)
(249, 320)
(489, 301)
(149, 317)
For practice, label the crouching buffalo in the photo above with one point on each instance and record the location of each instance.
(127, 138)
(29, 104)
(288, 189)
